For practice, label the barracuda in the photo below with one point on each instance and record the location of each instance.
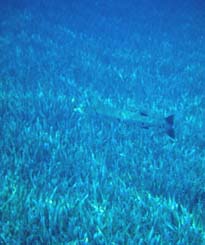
(140, 119)
(94, 104)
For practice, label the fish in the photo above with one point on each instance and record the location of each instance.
(139, 118)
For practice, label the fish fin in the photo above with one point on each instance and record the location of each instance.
(144, 114)
(145, 127)
(171, 133)
(170, 120)
(170, 126)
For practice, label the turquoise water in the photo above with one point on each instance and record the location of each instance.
(86, 154)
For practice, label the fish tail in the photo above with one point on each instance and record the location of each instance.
(170, 126)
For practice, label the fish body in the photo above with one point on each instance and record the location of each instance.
(139, 118)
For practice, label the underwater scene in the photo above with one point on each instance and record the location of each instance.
(102, 122)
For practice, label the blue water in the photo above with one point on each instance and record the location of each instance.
(86, 154)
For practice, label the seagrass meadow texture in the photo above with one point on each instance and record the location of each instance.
(69, 175)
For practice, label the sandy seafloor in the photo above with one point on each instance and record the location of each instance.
(72, 177)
